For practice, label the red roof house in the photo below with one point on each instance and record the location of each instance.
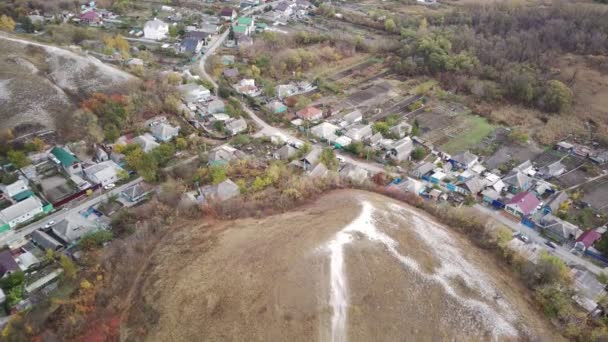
(309, 113)
(588, 238)
(90, 17)
(522, 204)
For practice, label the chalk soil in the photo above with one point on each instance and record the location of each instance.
(269, 279)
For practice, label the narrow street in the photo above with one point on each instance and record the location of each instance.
(535, 237)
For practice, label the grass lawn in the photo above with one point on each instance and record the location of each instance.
(476, 128)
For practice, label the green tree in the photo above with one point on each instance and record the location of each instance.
(111, 132)
(68, 266)
(418, 153)
(18, 159)
(163, 153)
(381, 127)
(181, 143)
(415, 128)
(95, 239)
(602, 244)
(557, 97)
(355, 147)
(390, 26)
(217, 174)
(328, 158)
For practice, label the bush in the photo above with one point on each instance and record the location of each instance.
(418, 153)
(95, 239)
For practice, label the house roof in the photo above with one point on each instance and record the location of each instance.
(23, 195)
(286, 152)
(490, 193)
(423, 169)
(589, 237)
(465, 158)
(221, 192)
(475, 185)
(374, 139)
(198, 35)
(16, 210)
(556, 200)
(155, 24)
(318, 171)
(552, 169)
(164, 130)
(526, 201)
(224, 154)
(231, 72)
(7, 263)
(353, 116)
(89, 15)
(237, 125)
(403, 147)
(68, 230)
(308, 113)
(239, 29)
(146, 142)
(65, 158)
(245, 21)
(325, 130)
(313, 156)
(562, 228)
(190, 44)
(517, 178)
(226, 12)
(15, 188)
(44, 240)
(137, 190)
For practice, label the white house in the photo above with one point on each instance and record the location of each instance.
(15, 188)
(192, 92)
(326, 131)
(164, 132)
(236, 126)
(21, 212)
(146, 141)
(247, 87)
(359, 132)
(156, 29)
(402, 149)
(103, 173)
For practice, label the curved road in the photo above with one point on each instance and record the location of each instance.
(267, 129)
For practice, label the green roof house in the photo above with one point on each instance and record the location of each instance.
(67, 160)
(240, 29)
(260, 27)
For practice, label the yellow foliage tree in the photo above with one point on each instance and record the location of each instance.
(7, 23)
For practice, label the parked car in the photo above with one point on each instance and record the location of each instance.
(109, 186)
(524, 238)
(551, 244)
(49, 224)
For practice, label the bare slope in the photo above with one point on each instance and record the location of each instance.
(39, 83)
(353, 266)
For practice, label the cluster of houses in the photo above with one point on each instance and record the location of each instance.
(287, 10)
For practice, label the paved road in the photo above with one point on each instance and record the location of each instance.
(15, 236)
(535, 237)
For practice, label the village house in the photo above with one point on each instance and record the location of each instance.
(224, 154)
(474, 185)
(589, 290)
(146, 142)
(210, 29)
(407, 185)
(552, 170)
(375, 139)
(354, 173)
(554, 202)
(286, 90)
(311, 159)
(518, 181)
(351, 118)
(522, 204)
(231, 73)
(276, 107)
(67, 160)
(191, 45)
(156, 29)
(8, 264)
(192, 92)
(164, 132)
(587, 239)
(70, 230)
(199, 35)
(318, 171)
(401, 150)
(359, 132)
(464, 160)
(285, 8)
(237, 126)
(422, 170)
(310, 114)
(325, 131)
(401, 129)
(247, 87)
(137, 192)
(228, 14)
(45, 241)
(20, 212)
(285, 152)
(104, 173)
(558, 229)
(219, 192)
(14, 189)
(216, 106)
(91, 18)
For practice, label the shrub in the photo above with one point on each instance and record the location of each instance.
(95, 239)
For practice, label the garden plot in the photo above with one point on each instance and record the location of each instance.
(371, 95)
(56, 188)
(596, 194)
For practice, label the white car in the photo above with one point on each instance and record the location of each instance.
(109, 186)
(49, 224)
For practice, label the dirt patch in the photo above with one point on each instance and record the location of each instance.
(268, 279)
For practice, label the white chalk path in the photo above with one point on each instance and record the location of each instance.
(452, 264)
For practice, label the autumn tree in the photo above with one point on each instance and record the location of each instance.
(7, 23)
(390, 26)
(18, 159)
(557, 97)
